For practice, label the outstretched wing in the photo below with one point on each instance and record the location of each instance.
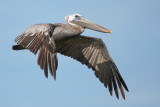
(39, 37)
(93, 53)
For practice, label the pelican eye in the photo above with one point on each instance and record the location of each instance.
(76, 16)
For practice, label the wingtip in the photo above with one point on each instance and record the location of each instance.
(110, 93)
(124, 97)
(117, 94)
(117, 97)
(54, 78)
(127, 89)
(46, 76)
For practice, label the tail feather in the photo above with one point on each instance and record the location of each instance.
(18, 47)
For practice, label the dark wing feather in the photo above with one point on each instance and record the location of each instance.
(93, 53)
(39, 38)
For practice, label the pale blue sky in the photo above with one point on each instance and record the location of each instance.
(134, 46)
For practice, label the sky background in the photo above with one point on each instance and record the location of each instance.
(134, 46)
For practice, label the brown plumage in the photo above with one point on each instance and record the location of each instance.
(49, 39)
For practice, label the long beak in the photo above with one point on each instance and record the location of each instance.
(83, 22)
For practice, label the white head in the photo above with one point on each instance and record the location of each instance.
(79, 20)
(73, 17)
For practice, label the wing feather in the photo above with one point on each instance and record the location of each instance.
(39, 38)
(93, 53)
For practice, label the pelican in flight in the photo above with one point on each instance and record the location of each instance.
(66, 39)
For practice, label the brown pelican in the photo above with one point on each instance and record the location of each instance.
(49, 39)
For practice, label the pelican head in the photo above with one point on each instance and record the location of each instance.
(79, 20)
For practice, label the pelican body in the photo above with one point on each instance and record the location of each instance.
(50, 39)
